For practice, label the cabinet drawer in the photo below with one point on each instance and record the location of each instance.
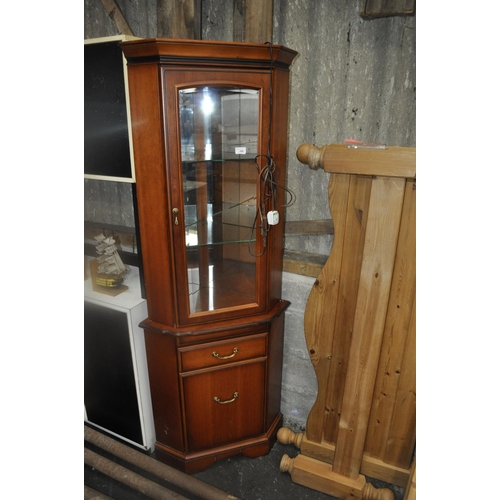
(222, 352)
(224, 405)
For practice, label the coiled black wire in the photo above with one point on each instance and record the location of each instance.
(266, 177)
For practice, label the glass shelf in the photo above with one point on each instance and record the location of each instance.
(189, 156)
(234, 223)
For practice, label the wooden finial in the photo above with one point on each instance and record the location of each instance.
(311, 155)
(287, 436)
(286, 464)
(371, 493)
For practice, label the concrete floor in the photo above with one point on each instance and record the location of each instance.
(245, 478)
(261, 479)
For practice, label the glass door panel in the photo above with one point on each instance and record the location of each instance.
(219, 140)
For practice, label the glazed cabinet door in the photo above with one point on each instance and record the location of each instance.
(224, 405)
(215, 129)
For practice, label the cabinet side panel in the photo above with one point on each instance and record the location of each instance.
(165, 396)
(279, 134)
(152, 194)
(275, 365)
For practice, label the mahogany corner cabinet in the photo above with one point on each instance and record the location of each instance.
(209, 126)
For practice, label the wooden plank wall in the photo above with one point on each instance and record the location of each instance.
(252, 20)
(373, 9)
(179, 19)
(353, 78)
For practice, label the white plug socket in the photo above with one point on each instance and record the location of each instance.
(273, 217)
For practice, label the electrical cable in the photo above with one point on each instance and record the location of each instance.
(266, 178)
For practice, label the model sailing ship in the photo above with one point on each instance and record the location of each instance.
(111, 271)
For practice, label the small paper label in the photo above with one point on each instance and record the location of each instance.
(240, 150)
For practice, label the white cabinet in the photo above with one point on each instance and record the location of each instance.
(117, 395)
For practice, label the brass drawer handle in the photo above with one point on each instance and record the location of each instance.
(216, 355)
(217, 400)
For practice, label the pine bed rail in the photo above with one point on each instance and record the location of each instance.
(338, 159)
(360, 327)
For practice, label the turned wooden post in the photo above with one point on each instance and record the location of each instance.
(287, 436)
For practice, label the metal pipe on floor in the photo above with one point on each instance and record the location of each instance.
(91, 494)
(189, 484)
(126, 476)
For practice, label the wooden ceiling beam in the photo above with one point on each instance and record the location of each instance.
(116, 16)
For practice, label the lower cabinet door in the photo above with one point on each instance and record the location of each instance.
(224, 405)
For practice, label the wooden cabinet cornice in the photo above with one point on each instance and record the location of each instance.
(208, 52)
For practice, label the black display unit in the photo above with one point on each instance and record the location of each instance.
(107, 149)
